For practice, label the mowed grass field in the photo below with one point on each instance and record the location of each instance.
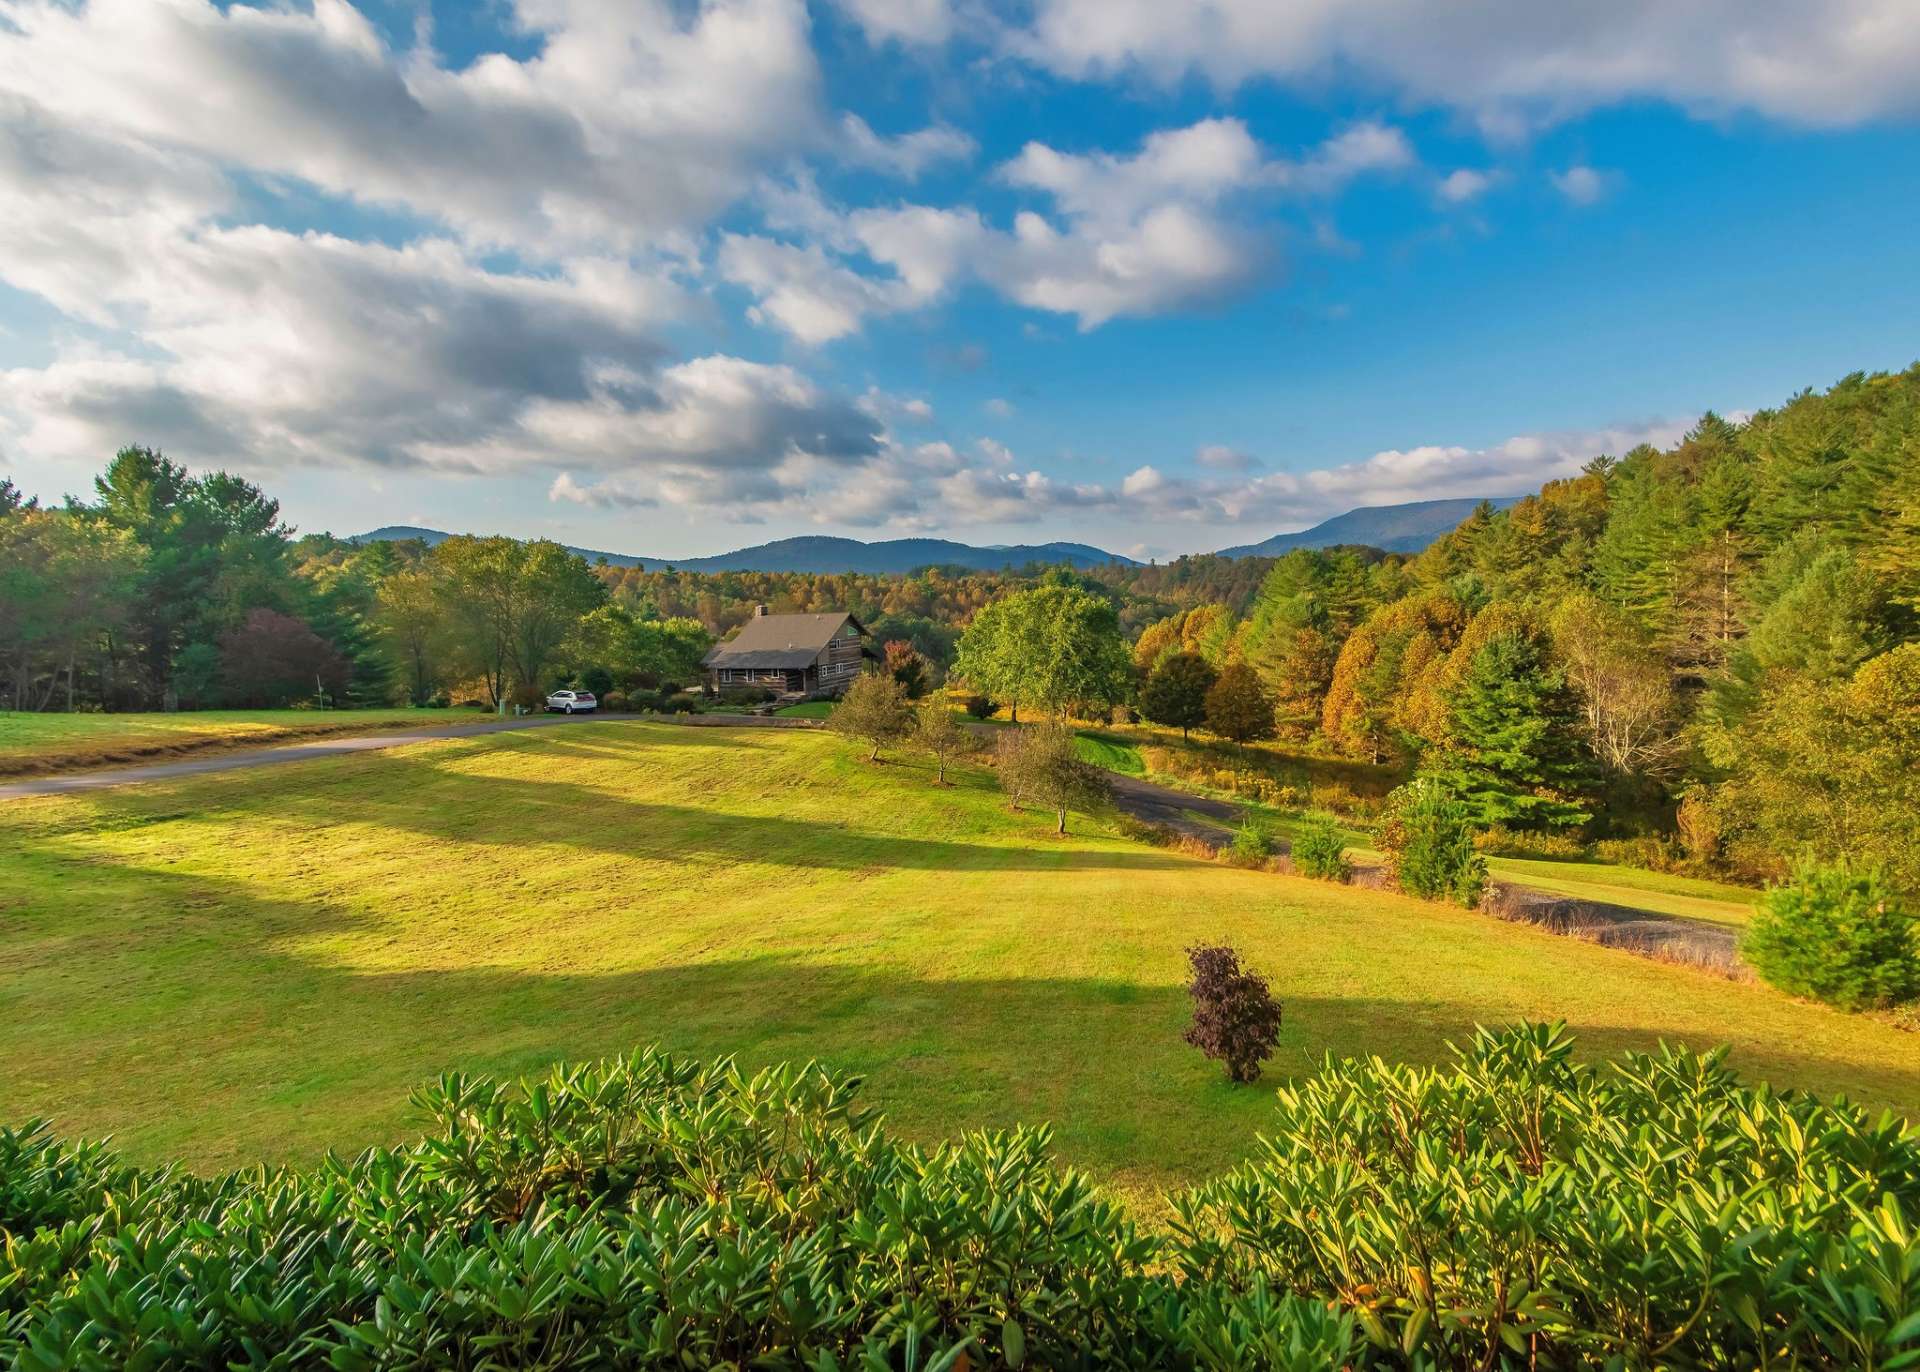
(38, 743)
(258, 965)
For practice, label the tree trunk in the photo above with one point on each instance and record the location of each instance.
(874, 756)
(1061, 831)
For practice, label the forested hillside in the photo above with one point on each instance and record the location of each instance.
(1712, 646)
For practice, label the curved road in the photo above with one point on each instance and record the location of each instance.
(267, 757)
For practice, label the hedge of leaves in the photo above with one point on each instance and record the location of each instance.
(1522, 1210)
(1513, 1210)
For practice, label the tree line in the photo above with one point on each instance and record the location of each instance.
(173, 590)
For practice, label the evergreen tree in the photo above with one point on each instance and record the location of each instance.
(1515, 758)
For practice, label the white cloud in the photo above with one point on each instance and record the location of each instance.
(999, 407)
(632, 123)
(1513, 63)
(1131, 235)
(1581, 184)
(803, 291)
(904, 155)
(1464, 185)
(921, 22)
(937, 486)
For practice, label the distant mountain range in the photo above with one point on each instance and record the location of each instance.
(889, 557)
(1392, 528)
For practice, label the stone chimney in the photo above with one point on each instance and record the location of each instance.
(759, 611)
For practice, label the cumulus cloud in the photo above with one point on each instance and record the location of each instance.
(122, 123)
(1513, 62)
(1581, 184)
(1135, 234)
(1464, 185)
(631, 122)
(904, 155)
(919, 22)
(803, 291)
(1280, 500)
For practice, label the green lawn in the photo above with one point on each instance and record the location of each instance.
(808, 709)
(259, 964)
(31, 743)
(1114, 754)
(1666, 893)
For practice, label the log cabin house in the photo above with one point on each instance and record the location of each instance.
(790, 655)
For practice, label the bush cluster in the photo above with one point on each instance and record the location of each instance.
(1839, 934)
(1427, 836)
(644, 1213)
(1518, 1209)
(1513, 1209)
(1251, 846)
(1318, 849)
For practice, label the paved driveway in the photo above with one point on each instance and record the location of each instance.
(268, 757)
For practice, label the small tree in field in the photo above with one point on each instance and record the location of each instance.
(1039, 766)
(1236, 1020)
(939, 734)
(1318, 850)
(1838, 934)
(1238, 706)
(874, 710)
(1175, 693)
(1426, 833)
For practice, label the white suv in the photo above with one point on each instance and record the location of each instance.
(569, 701)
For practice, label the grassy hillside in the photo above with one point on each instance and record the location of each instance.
(36, 743)
(261, 964)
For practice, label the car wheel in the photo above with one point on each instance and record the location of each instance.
(567, 708)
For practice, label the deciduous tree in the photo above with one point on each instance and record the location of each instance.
(1175, 694)
(875, 710)
(1238, 706)
(1039, 765)
(939, 734)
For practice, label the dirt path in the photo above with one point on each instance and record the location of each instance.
(1667, 937)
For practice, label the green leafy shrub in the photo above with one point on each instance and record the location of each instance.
(644, 1213)
(1837, 933)
(1251, 846)
(980, 707)
(1319, 851)
(617, 702)
(1520, 1210)
(1427, 835)
(1515, 1209)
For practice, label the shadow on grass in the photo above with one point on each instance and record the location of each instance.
(192, 1016)
(426, 795)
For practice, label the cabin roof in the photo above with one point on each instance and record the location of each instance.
(772, 641)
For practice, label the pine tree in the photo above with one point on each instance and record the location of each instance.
(1516, 758)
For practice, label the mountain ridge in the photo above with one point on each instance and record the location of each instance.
(1404, 528)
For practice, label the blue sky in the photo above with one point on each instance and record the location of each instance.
(669, 278)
